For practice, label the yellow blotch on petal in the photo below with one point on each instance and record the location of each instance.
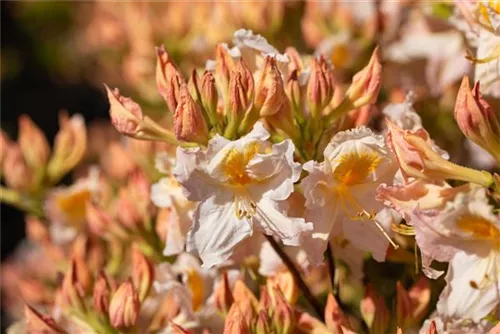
(236, 163)
(353, 168)
(73, 205)
(480, 227)
(196, 285)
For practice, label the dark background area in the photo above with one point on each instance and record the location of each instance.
(36, 90)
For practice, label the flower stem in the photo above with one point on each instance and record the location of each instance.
(297, 277)
(331, 268)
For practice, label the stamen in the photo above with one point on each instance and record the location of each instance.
(394, 245)
(403, 229)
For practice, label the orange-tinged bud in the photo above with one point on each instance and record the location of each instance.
(320, 87)
(294, 95)
(403, 306)
(34, 291)
(16, 172)
(142, 273)
(102, 294)
(366, 83)
(417, 158)
(5, 144)
(223, 295)
(374, 311)
(189, 124)
(80, 250)
(235, 322)
(270, 91)
(334, 317)
(247, 80)
(284, 282)
(209, 96)
(420, 296)
(36, 230)
(126, 115)
(242, 293)
(433, 329)
(72, 290)
(262, 325)
(69, 146)
(39, 324)
(98, 220)
(168, 78)
(33, 143)
(295, 63)
(283, 317)
(237, 104)
(124, 306)
(224, 64)
(265, 302)
(476, 118)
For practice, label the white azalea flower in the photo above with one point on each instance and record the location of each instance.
(340, 192)
(467, 234)
(238, 185)
(167, 193)
(403, 114)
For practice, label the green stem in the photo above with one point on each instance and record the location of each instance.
(20, 201)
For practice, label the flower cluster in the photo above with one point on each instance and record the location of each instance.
(269, 196)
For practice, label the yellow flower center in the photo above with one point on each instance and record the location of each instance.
(236, 163)
(340, 55)
(353, 168)
(195, 284)
(73, 206)
(479, 227)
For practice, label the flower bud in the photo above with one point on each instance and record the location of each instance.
(124, 306)
(69, 146)
(374, 311)
(236, 106)
(34, 291)
(223, 298)
(417, 158)
(36, 230)
(476, 118)
(284, 282)
(209, 96)
(335, 319)
(16, 171)
(294, 95)
(262, 324)
(37, 323)
(168, 79)
(33, 143)
(403, 306)
(224, 64)
(366, 83)
(189, 124)
(72, 290)
(5, 144)
(102, 294)
(126, 115)
(98, 221)
(433, 330)
(270, 93)
(420, 296)
(235, 322)
(242, 293)
(295, 63)
(320, 87)
(284, 318)
(142, 273)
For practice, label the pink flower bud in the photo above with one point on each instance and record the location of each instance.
(433, 329)
(320, 87)
(168, 79)
(16, 172)
(262, 324)
(374, 311)
(335, 319)
(33, 143)
(295, 63)
(476, 118)
(126, 115)
(284, 282)
(124, 306)
(189, 124)
(102, 294)
(36, 230)
(142, 273)
(209, 96)
(235, 322)
(418, 158)
(270, 92)
(224, 64)
(403, 307)
(366, 83)
(72, 291)
(223, 295)
(283, 318)
(37, 323)
(69, 146)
